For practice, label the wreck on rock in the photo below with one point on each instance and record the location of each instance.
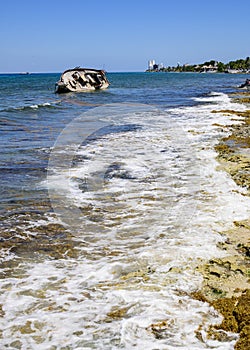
(82, 79)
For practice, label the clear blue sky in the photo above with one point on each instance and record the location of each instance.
(120, 35)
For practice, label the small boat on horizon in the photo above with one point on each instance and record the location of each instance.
(82, 79)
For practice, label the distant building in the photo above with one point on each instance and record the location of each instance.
(155, 67)
(151, 64)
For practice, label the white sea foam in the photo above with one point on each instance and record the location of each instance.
(30, 106)
(152, 206)
(6, 255)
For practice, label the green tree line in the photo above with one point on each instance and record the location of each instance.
(240, 65)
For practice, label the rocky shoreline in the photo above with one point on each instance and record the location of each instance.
(226, 283)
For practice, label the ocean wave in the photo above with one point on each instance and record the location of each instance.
(106, 248)
(29, 107)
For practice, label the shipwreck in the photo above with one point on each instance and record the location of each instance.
(82, 79)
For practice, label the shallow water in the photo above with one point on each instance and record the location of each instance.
(110, 200)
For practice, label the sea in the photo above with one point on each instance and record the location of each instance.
(110, 200)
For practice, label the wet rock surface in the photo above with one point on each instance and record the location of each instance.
(226, 283)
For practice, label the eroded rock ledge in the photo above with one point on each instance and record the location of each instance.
(226, 283)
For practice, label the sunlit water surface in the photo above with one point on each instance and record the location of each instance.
(110, 201)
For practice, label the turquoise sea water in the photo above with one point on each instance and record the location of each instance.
(109, 200)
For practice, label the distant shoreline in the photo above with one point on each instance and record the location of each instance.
(123, 72)
(240, 66)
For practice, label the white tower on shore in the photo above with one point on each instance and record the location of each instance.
(151, 64)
